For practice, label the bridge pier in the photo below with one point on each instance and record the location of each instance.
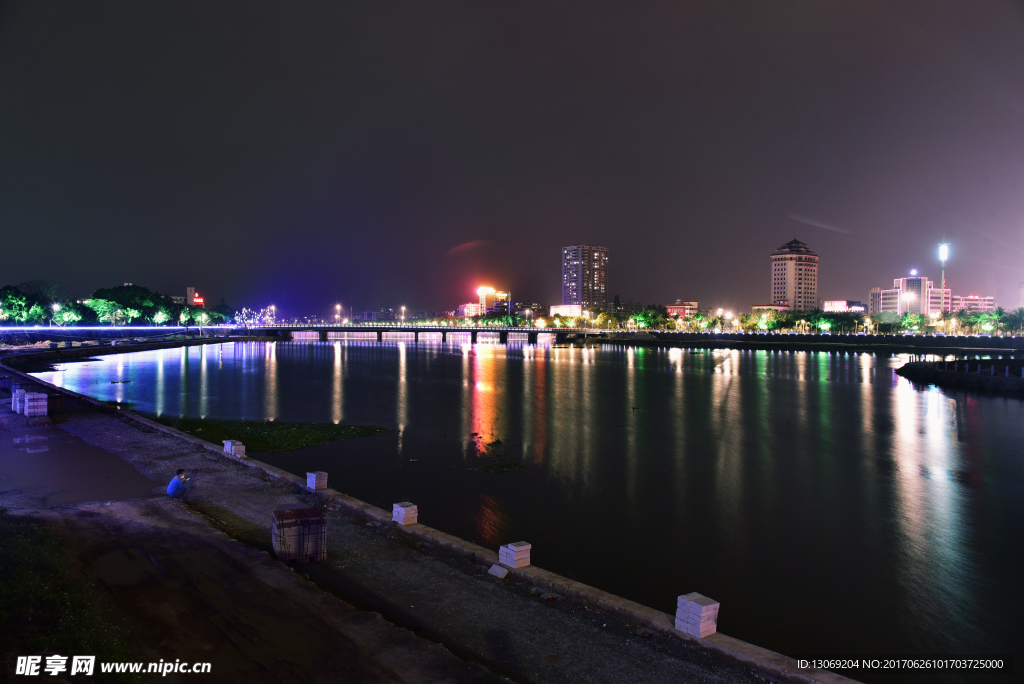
(472, 337)
(503, 337)
(416, 337)
(380, 335)
(561, 338)
(444, 336)
(323, 335)
(531, 338)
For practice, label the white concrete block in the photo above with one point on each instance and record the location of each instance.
(498, 571)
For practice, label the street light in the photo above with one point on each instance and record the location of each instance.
(943, 257)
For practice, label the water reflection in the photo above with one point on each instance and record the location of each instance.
(337, 385)
(806, 475)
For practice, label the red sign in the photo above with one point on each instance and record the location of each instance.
(197, 300)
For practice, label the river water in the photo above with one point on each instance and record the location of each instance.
(831, 506)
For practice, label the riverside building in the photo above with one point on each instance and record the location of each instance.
(915, 294)
(795, 276)
(684, 308)
(843, 306)
(585, 276)
(974, 303)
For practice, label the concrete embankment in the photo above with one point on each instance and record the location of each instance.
(431, 582)
(993, 375)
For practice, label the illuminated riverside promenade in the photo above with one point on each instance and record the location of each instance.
(822, 477)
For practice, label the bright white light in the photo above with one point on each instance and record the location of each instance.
(913, 271)
(943, 252)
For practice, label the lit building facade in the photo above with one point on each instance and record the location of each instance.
(585, 276)
(470, 309)
(524, 308)
(502, 303)
(915, 294)
(567, 310)
(875, 300)
(684, 308)
(974, 303)
(843, 306)
(795, 276)
(492, 301)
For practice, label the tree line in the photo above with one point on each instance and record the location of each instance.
(655, 317)
(43, 302)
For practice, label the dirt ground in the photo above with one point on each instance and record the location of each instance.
(194, 581)
(184, 590)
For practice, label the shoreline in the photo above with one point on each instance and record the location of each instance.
(718, 645)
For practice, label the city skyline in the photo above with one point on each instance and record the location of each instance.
(278, 164)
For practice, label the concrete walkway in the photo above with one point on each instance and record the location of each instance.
(493, 627)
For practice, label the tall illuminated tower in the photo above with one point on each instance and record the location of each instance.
(795, 276)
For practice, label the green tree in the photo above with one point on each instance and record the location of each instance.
(911, 322)
(652, 318)
(13, 305)
(1013, 321)
(105, 309)
(65, 315)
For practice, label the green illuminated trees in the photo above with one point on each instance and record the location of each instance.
(18, 307)
(104, 308)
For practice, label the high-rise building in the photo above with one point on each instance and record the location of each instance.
(486, 295)
(795, 276)
(585, 276)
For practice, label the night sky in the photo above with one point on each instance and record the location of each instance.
(386, 153)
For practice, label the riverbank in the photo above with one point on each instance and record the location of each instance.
(842, 344)
(449, 597)
(33, 358)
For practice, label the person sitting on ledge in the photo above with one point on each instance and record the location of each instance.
(176, 489)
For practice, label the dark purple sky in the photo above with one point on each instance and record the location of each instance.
(307, 153)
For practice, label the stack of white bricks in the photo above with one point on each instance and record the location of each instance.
(697, 615)
(316, 479)
(515, 555)
(18, 400)
(234, 447)
(404, 513)
(35, 404)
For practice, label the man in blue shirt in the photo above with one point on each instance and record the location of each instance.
(176, 488)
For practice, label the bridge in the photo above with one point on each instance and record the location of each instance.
(531, 334)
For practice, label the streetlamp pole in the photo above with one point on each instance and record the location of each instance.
(943, 257)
